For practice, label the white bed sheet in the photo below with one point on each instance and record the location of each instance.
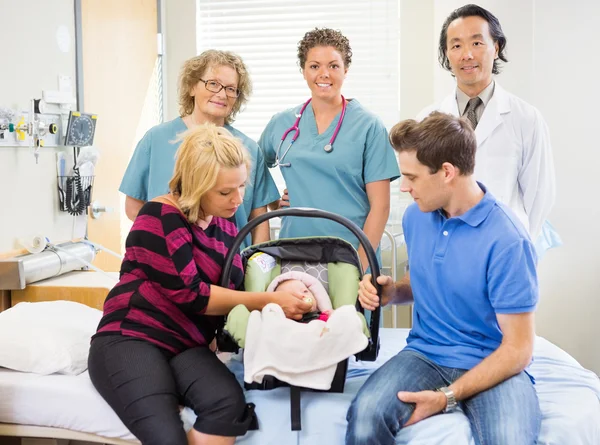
(569, 397)
(59, 401)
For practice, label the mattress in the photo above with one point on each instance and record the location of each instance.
(569, 398)
(59, 401)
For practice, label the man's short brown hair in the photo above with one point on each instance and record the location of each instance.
(438, 138)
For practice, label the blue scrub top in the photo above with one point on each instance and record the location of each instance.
(463, 271)
(336, 181)
(151, 168)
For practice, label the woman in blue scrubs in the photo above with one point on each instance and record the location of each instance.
(342, 165)
(212, 88)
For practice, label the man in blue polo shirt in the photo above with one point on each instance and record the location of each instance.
(474, 286)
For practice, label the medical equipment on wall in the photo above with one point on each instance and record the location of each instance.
(35, 129)
(75, 183)
(54, 125)
(47, 124)
(328, 148)
(81, 129)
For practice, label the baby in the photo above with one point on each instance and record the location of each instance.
(309, 287)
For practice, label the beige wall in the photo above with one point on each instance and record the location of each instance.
(129, 72)
(179, 29)
(32, 62)
(416, 62)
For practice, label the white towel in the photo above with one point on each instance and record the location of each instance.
(301, 354)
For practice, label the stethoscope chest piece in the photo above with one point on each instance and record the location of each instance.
(328, 148)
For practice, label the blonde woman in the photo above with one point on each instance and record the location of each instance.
(213, 87)
(151, 352)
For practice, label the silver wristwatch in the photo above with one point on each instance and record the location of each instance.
(451, 403)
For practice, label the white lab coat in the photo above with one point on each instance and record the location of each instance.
(514, 157)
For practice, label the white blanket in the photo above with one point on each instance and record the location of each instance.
(301, 354)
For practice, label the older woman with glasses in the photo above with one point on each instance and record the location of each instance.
(212, 88)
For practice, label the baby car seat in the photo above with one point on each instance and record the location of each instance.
(332, 260)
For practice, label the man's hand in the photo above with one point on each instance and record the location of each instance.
(427, 403)
(367, 294)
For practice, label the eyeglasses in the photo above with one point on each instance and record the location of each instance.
(214, 87)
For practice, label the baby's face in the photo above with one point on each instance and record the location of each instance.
(299, 287)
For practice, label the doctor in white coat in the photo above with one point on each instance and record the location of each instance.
(514, 155)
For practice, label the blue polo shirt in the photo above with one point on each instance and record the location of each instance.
(463, 271)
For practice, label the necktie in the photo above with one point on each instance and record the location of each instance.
(471, 110)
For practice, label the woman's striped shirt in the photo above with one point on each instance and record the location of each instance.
(165, 279)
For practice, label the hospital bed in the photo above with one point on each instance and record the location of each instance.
(68, 407)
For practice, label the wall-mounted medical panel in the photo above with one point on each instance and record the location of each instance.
(44, 130)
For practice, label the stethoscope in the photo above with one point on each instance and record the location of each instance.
(328, 148)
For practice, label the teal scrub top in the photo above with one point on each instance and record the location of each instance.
(151, 168)
(335, 181)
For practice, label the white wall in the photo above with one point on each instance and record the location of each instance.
(552, 65)
(567, 92)
(32, 62)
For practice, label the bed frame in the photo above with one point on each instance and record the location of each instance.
(58, 434)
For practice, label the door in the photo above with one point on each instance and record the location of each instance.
(121, 77)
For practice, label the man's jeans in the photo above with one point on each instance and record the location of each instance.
(507, 414)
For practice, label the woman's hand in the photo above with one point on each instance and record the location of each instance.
(281, 203)
(213, 345)
(285, 199)
(292, 303)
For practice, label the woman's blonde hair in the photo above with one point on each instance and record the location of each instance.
(203, 152)
(193, 69)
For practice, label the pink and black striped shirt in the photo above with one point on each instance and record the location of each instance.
(165, 279)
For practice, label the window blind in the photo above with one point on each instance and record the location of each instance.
(266, 34)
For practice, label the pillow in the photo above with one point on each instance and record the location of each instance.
(47, 337)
